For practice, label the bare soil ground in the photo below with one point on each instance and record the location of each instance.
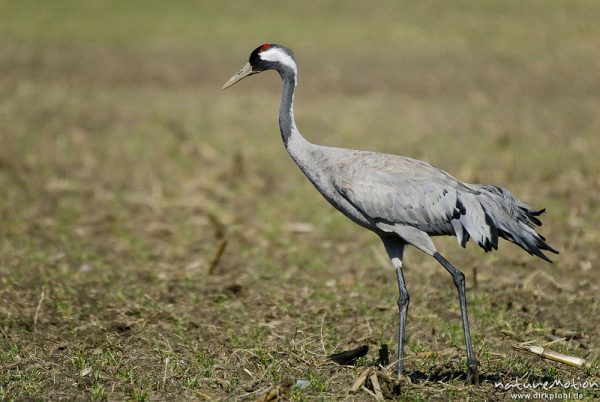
(156, 242)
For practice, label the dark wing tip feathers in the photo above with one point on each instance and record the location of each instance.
(533, 244)
(493, 242)
(546, 246)
(532, 215)
(538, 243)
(541, 240)
(543, 257)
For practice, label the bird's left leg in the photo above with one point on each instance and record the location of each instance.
(395, 249)
(459, 281)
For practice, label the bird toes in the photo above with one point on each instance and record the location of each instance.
(472, 376)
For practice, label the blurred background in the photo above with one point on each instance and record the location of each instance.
(156, 239)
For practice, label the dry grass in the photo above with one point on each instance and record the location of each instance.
(124, 169)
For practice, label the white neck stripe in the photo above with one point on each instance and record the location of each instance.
(277, 55)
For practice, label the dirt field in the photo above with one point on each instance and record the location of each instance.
(157, 242)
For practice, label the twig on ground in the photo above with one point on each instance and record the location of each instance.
(249, 373)
(552, 355)
(361, 380)
(217, 257)
(376, 386)
(165, 373)
(554, 339)
(218, 226)
(510, 333)
(566, 333)
(368, 391)
(322, 341)
(38, 308)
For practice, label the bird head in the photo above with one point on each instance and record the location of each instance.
(266, 57)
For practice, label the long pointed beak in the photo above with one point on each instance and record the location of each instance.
(243, 73)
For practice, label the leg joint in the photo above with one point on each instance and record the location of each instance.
(472, 363)
(459, 277)
(404, 299)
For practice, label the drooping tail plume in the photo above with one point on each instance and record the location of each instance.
(514, 220)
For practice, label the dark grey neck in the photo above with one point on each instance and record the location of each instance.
(287, 124)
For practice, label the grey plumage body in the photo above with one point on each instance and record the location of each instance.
(403, 200)
(389, 193)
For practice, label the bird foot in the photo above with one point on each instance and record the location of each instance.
(472, 375)
(396, 382)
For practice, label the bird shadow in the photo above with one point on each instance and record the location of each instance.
(447, 375)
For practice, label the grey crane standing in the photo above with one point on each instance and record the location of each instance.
(403, 200)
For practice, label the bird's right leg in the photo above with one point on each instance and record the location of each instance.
(395, 250)
(459, 282)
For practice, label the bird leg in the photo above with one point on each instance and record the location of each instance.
(403, 301)
(395, 249)
(459, 282)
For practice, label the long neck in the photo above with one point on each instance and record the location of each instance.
(287, 124)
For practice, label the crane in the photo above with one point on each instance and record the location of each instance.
(402, 200)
